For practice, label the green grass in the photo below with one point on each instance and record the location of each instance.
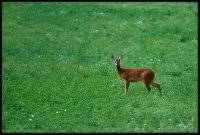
(58, 75)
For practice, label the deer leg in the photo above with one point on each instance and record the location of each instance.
(157, 86)
(147, 86)
(126, 86)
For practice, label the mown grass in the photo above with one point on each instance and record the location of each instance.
(58, 75)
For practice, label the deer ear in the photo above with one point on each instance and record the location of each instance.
(120, 57)
(112, 56)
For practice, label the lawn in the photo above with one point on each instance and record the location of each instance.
(58, 75)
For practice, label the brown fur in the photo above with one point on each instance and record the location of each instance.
(136, 74)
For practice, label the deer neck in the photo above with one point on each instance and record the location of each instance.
(119, 69)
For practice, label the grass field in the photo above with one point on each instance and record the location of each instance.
(58, 75)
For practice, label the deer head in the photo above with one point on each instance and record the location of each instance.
(117, 60)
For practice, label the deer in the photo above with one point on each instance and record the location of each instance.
(128, 75)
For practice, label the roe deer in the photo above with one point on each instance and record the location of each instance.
(136, 74)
